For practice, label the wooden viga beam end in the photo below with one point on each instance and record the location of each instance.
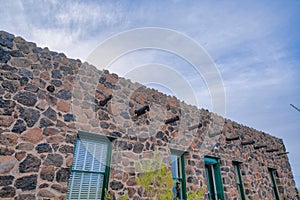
(283, 153)
(260, 146)
(232, 138)
(171, 120)
(142, 110)
(194, 127)
(248, 142)
(272, 150)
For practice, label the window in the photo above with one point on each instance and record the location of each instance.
(239, 181)
(213, 179)
(272, 176)
(178, 175)
(90, 168)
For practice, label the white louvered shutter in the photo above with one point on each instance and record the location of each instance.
(87, 177)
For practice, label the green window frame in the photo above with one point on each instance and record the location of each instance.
(178, 175)
(91, 167)
(213, 178)
(239, 180)
(272, 172)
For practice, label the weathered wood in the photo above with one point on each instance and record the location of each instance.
(232, 138)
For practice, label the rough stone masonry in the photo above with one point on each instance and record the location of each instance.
(47, 98)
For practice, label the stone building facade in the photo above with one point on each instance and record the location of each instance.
(51, 106)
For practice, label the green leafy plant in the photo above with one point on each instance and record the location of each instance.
(155, 178)
(157, 181)
(107, 195)
(195, 195)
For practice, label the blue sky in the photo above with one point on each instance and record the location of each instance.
(254, 44)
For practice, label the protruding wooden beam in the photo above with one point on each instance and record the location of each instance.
(260, 146)
(171, 120)
(142, 110)
(283, 153)
(271, 150)
(248, 142)
(232, 138)
(194, 127)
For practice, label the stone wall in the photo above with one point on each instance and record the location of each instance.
(47, 98)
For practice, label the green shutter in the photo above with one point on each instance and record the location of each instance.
(239, 179)
(178, 171)
(274, 186)
(217, 177)
(208, 181)
(183, 177)
(219, 184)
(90, 169)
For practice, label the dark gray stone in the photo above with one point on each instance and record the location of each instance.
(26, 98)
(10, 85)
(50, 88)
(56, 83)
(31, 116)
(19, 126)
(8, 68)
(64, 94)
(23, 80)
(69, 117)
(66, 149)
(4, 55)
(43, 148)
(63, 175)
(138, 147)
(160, 135)
(125, 115)
(116, 185)
(56, 74)
(54, 159)
(51, 114)
(102, 79)
(193, 180)
(6, 180)
(104, 125)
(7, 191)
(31, 87)
(26, 183)
(30, 164)
(26, 73)
(116, 134)
(6, 39)
(66, 70)
(109, 85)
(16, 53)
(7, 107)
(11, 76)
(44, 185)
(44, 122)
